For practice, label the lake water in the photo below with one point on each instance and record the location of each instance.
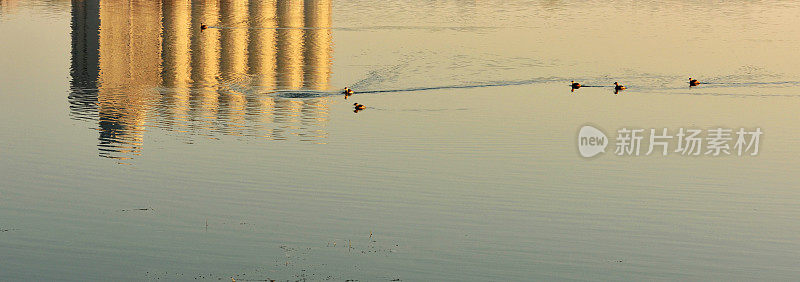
(135, 145)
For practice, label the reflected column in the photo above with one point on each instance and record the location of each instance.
(290, 44)
(205, 59)
(84, 68)
(145, 41)
(130, 54)
(290, 57)
(261, 57)
(176, 59)
(317, 52)
(317, 63)
(234, 58)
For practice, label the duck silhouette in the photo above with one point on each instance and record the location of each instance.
(358, 107)
(347, 92)
(618, 87)
(575, 86)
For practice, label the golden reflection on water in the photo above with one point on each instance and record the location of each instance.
(8, 6)
(147, 63)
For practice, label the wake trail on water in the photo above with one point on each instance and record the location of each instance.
(505, 83)
(377, 81)
(755, 83)
(465, 86)
(489, 84)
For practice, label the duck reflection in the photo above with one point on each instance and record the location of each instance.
(139, 64)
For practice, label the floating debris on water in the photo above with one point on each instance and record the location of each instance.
(140, 209)
(295, 265)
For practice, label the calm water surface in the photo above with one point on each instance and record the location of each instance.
(136, 146)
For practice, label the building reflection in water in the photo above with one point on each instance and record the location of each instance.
(139, 64)
(8, 6)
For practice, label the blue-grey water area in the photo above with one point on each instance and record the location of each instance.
(136, 145)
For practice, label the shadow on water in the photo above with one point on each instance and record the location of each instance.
(199, 84)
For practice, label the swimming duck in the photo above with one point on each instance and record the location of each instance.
(618, 87)
(203, 27)
(693, 82)
(359, 107)
(575, 85)
(347, 92)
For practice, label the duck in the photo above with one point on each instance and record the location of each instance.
(203, 27)
(359, 107)
(693, 82)
(347, 92)
(575, 85)
(618, 87)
